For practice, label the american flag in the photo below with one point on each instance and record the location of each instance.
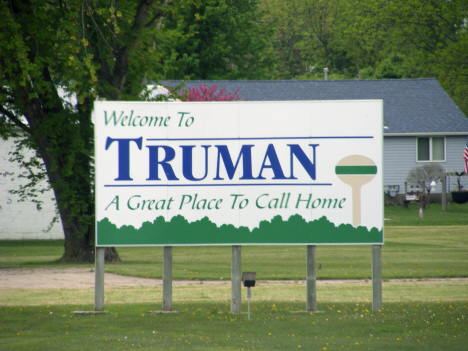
(465, 157)
(420, 211)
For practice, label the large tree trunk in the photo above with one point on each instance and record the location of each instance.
(78, 228)
(79, 233)
(70, 174)
(78, 247)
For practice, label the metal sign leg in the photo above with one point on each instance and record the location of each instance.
(236, 279)
(167, 279)
(99, 279)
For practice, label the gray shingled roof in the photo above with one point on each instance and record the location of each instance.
(410, 105)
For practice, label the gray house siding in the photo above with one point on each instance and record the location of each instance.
(455, 146)
(400, 158)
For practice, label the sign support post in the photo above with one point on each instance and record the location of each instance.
(444, 193)
(249, 295)
(99, 279)
(311, 279)
(167, 279)
(376, 277)
(236, 279)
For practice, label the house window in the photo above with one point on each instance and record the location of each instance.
(430, 149)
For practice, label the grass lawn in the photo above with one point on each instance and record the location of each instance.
(409, 252)
(278, 291)
(433, 215)
(417, 315)
(210, 326)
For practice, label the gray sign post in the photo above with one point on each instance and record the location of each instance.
(236, 279)
(376, 277)
(311, 279)
(99, 279)
(167, 279)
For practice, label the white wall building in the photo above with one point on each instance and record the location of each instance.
(22, 220)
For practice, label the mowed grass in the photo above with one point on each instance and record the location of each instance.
(419, 314)
(210, 326)
(409, 252)
(455, 215)
(278, 291)
(423, 315)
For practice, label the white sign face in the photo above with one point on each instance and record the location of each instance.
(232, 173)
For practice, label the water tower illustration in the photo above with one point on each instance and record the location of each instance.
(356, 170)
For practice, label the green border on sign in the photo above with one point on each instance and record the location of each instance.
(178, 231)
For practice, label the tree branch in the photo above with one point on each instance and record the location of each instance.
(119, 74)
(11, 116)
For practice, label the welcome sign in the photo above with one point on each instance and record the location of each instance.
(234, 173)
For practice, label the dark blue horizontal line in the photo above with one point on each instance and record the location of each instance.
(193, 185)
(266, 138)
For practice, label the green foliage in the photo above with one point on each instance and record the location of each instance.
(218, 39)
(56, 57)
(396, 66)
(313, 34)
(44, 56)
(377, 38)
(430, 34)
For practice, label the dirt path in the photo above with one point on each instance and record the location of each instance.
(59, 278)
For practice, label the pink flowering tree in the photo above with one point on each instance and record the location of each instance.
(203, 93)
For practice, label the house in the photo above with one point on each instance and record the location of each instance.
(422, 124)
